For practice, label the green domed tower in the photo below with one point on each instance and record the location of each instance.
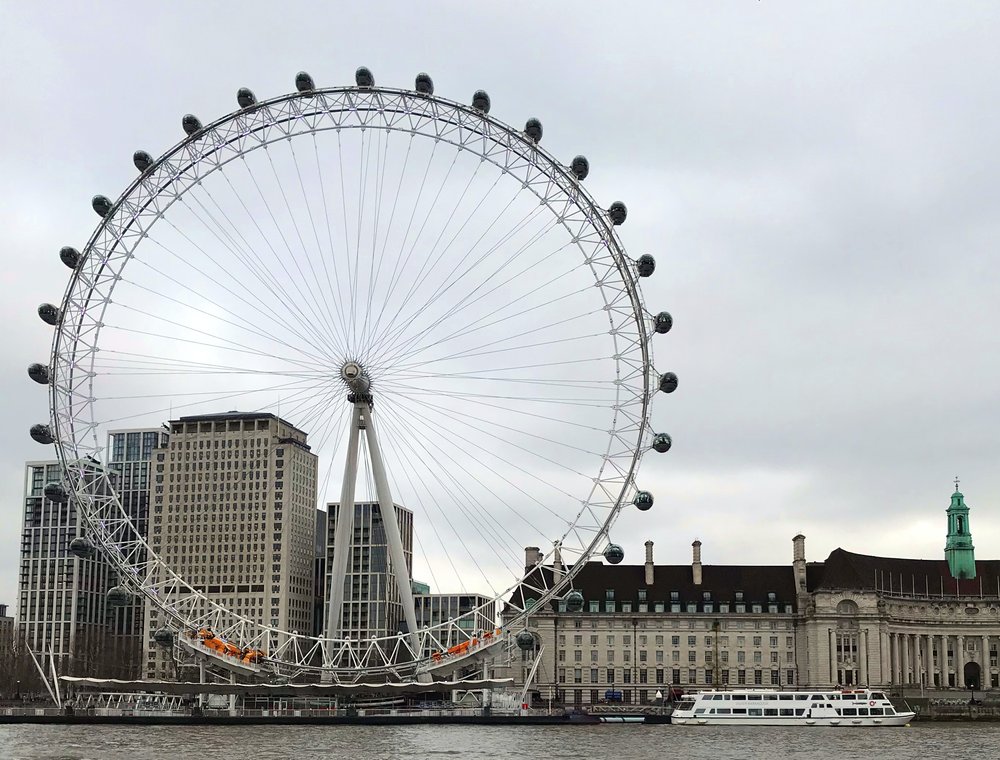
(959, 551)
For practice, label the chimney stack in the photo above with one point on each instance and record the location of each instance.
(532, 556)
(557, 564)
(799, 562)
(696, 562)
(649, 563)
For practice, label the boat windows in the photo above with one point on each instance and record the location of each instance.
(754, 697)
(699, 711)
(876, 711)
(770, 696)
(770, 711)
(739, 711)
(754, 711)
(801, 696)
(849, 712)
(863, 711)
(800, 711)
(740, 697)
(786, 711)
(785, 697)
(890, 711)
(816, 697)
(724, 711)
(832, 696)
(878, 695)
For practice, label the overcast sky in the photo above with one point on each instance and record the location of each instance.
(819, 183)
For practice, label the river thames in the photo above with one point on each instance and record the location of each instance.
(954, 741)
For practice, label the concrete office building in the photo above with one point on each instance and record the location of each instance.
(234, 514)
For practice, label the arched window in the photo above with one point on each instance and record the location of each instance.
(960, 523)
(847, 607)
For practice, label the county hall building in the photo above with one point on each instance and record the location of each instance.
(853, 619)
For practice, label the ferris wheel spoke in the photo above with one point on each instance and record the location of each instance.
(305, 280)
(387, 342)
(170, 365)
(228, 345)
(471, 298)
(411, 247)
(376, 276)
(480, 324)
(456, 434)
(242, 297)
(466, 395)
(209, 315)
(330, 308)
(150, 413)
(334, 285)
(499, 534)
(434, 255)
(235, 242)
(450, 411)
(458, 495)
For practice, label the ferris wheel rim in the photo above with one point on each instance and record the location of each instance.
(63, 397)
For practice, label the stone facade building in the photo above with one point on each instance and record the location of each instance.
(234, 514)
(852, 619)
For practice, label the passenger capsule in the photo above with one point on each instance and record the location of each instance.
(525, 641)
(424, 84)
(142, 160)
(245, 97)
(101, 204)
(39, 373)
(533, 129)
(118, 596)
(304, 82)
(643, 500)
(191, 124)
(82, 547)
(69, 256)
(663, 322)
(580, 167)
(574, 601)
(617, 212)
(668, 382)
(662, 442)
(163, 636)
(614, 554)
(41, 433)
(50, 314)
(481, 101)
(55, 492)
(646, 265)
(364, 77)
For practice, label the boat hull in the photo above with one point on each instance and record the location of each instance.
(900, 719)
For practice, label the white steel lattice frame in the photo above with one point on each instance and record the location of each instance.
(75, 348)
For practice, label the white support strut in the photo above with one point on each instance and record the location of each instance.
(344, 530)
(392, 534)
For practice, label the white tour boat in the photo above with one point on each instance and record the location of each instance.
(770, 707)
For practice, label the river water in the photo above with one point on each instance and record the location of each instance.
(938, 741)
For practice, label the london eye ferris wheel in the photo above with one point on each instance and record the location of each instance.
(429, 294)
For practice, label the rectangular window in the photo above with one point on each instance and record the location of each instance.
(692, 675)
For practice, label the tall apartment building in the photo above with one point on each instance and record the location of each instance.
(129, 455)
(61, 598)
(372, 607)
(6, 635)
(234, 514)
